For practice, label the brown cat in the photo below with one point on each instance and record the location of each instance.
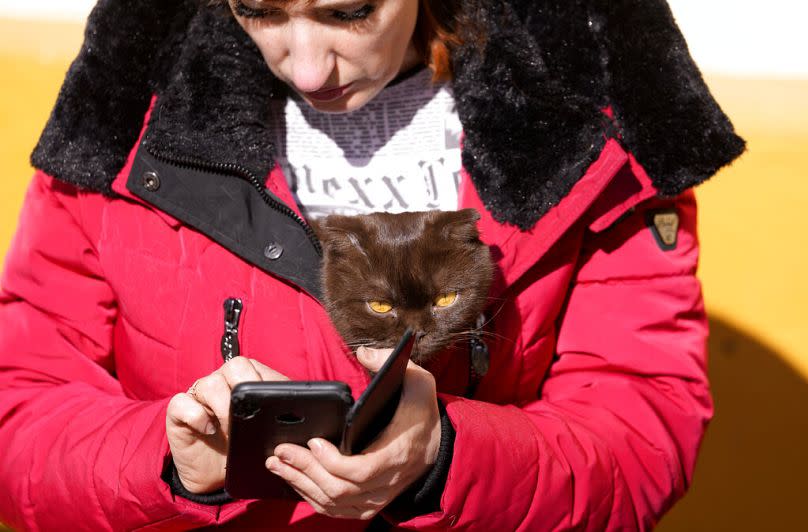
(385, 272)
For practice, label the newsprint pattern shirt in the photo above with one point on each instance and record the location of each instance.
(400, 152)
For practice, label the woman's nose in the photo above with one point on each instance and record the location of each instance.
(311, 57)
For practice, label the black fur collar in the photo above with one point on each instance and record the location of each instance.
(531, 100)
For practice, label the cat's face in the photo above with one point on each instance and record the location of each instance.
(385, 272)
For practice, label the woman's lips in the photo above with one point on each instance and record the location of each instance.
(327, 95)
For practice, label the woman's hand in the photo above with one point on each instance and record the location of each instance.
(358, 487)
(197, 423)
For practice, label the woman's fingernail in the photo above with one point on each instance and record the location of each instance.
(367, 355)
(315, 445)
(210, 428)
(272, 464)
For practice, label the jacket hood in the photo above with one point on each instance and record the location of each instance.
(538, 99)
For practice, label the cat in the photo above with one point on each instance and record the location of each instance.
(382, 273)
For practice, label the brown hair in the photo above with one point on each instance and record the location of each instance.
(436, 33)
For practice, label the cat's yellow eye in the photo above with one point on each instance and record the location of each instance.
(380, 307)
(446, 299)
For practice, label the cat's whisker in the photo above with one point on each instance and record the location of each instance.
(495, 336)
(465, 335)
(356, 344)
(489, 319)
(359, 344)
(477, 333)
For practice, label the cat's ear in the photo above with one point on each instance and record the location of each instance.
(338, 233)
(460, 225)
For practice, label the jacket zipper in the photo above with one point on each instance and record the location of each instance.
(232, 316)
(245, 174)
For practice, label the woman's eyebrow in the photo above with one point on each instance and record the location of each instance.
(343, 5)
(338, 5)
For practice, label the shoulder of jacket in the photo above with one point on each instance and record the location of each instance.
(126, 56)
(561, 77)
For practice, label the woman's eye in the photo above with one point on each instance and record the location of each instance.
(446, 300)
(352, 16)
(380, 307)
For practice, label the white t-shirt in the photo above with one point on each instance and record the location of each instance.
(400, 152)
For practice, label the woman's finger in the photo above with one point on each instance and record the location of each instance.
(267, 373)
(238, 370)
(359, 506)
(213, 393)
(416, 416)
(335, 488)
(185, 411)
(416, 379)
(372, 359)
(302, 484)
(361, 469)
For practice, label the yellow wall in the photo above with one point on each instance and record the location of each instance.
(753, 224)
(754, 262)
(33, 62)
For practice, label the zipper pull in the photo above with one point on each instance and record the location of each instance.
(232, 315)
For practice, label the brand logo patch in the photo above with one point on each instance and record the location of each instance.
(664, 225)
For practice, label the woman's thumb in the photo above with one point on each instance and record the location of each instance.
(372, 359)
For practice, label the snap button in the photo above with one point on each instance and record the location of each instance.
(273, 251)
(151, 181)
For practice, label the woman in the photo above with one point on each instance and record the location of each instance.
(584, 126)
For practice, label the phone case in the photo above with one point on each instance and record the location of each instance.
(374, 409)
(264, 415)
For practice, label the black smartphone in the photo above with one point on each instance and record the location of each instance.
(264, 415)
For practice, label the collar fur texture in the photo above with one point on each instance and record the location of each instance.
(531, 99)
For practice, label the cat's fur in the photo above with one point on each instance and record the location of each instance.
(407, 260)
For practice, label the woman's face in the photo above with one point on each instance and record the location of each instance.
(337, 54)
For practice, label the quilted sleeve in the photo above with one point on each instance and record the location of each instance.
(75, 449)
(611, 441)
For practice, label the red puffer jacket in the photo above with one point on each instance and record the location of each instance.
(109, 307)
(596, 400)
